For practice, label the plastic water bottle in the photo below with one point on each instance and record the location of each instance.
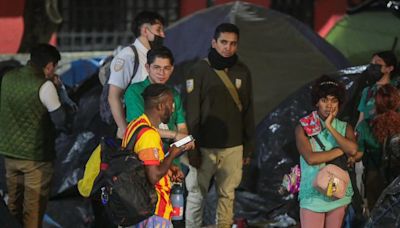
(177, 201)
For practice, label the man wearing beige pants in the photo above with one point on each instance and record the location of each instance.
(30, 116)
(219, 107)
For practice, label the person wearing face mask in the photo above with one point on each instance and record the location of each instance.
(220, 116)
(381, 70)
(148, 28)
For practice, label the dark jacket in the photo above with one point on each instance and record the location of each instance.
(211, 113)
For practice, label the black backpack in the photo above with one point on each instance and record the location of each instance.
(122, 184)
(105, 110)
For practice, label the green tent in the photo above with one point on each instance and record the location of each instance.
(359, 35)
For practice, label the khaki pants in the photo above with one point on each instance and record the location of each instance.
(226, 165)
(28, 184)
(194, 199)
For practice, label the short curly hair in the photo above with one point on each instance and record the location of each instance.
(387, 121)
(326, 86)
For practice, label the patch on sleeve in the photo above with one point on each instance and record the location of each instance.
(189, 85)
(119, 64)
(238, 83)
(149, 156)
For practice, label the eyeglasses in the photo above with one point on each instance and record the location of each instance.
(158, 68)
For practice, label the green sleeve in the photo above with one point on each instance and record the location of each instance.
(360, 130)
(180, 113)
(133, 102)
(177, 162)
(361, 105)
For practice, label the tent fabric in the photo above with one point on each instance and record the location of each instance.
(78, 71)
(360, 35)
(281, 52)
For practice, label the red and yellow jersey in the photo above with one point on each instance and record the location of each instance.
(149, 149)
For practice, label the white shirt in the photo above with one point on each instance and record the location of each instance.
(122, 65)
(49, 97)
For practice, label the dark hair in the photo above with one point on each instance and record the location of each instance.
(160, 52)
(42, 54)
(387, 121)
(145, 17)
(226, 27)
(326, 86)
(155, 94)
(389, 58)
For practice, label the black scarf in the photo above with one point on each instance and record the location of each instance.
(219, 62)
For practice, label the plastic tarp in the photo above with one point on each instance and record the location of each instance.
(78, 71)
(387, 209)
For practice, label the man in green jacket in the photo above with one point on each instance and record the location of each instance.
(30, 112)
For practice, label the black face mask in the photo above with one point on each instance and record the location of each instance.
(372, 73)
(219, 62)
(157, 42)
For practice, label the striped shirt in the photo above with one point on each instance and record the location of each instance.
(149, 149)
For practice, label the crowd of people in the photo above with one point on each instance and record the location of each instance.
(217, 111)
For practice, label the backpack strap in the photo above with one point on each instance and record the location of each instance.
(136, 62)
(136, 135)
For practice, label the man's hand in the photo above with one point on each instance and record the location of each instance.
(188, 146)
(176, 174)
(120, 133)
(195, 160)
(175, 151)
